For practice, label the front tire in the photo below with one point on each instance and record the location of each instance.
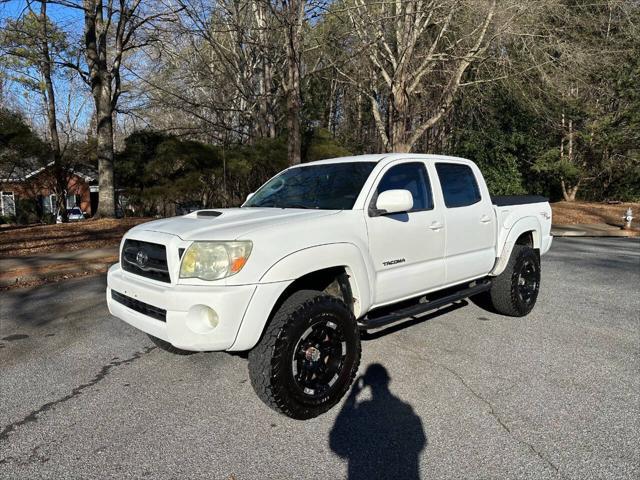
(514, 292)
(308, 356)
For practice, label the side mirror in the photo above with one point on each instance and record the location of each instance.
(249, 196)
(394, 201)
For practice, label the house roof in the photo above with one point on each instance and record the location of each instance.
(22, 173)
(17, 171)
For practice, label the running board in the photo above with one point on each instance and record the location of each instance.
(368, 323)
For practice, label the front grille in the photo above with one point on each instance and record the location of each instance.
(145, 259)
(138, 306)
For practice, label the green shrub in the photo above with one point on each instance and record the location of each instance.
(26, 211)
(320, 145)
(7, 219)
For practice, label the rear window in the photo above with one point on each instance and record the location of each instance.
(459, 186)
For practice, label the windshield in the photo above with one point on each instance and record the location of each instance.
(333, 186)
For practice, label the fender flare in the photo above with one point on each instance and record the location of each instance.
(293, 266)
(319, 257)
(526, 224)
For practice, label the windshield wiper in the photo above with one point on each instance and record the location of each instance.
(298, 205)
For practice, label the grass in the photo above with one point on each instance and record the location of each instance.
(570, 213)
(35, 239)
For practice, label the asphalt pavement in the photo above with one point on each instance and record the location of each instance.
(460, 394)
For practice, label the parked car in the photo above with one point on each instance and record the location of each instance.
(318, 254)
(74, 214)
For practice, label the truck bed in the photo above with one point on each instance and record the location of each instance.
(506, 200)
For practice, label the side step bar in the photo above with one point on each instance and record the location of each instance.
(392, 316)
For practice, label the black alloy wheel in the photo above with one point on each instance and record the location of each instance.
(528, 282)
(319, 358)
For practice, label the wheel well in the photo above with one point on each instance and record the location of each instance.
(333, 281)
(525, 239)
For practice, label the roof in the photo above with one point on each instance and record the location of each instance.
(388, 157)
(22, 173)
(18, 171)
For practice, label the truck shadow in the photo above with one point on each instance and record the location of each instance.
(381, 437)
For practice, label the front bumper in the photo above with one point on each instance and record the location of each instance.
(183, 327)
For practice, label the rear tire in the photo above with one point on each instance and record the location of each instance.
(167, 347)
(514, 292)
(307, 357)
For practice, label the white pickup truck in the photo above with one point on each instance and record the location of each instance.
(321, 252)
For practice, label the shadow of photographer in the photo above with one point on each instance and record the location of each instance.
(380, 438)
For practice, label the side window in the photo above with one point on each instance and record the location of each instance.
(459, 185)
(412, 177)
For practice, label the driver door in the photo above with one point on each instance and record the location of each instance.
(407, 249)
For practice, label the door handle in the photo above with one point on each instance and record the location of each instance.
(436, 226)
(485, 219)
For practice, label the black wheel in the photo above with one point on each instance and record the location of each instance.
(167, 347)
(514, 292)
(308, 356)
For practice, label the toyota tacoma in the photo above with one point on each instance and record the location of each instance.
(322, 252)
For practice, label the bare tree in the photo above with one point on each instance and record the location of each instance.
(217, 77)
(416, 50)
(292, 14)
(38, 48)
(109, 32)
(113, 30)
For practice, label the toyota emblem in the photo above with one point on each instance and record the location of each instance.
(142, 258)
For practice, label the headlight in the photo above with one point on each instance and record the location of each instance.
(214, 260)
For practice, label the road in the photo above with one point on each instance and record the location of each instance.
(463, 394)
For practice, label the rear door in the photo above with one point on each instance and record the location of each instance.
(469, 221)
(407, 249)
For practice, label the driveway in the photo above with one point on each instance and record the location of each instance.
(462, 394)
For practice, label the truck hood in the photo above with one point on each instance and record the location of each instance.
(228, 223)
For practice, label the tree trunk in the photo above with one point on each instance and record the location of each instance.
(294, 143)
(359, 118)
(562, 136)
(46, 66)
(569, 192)
(398, 125)
(266, 123)
(268, 84)
(294, 97)
(570, 153)
(101, 90)
(106, 193)
(332, 102)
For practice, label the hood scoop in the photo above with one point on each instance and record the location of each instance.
(208, 213)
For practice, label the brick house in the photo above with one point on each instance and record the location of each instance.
(36, 185)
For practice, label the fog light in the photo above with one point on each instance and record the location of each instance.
(202, 319)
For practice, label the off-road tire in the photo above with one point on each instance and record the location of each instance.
(271, 363)
(506, 294)
(167, 347)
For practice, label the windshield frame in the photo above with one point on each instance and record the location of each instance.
(372, 168)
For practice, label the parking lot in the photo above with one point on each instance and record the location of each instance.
(459, 394)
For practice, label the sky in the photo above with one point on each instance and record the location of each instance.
(63, 15)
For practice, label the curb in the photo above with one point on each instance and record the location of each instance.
(596, 230)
